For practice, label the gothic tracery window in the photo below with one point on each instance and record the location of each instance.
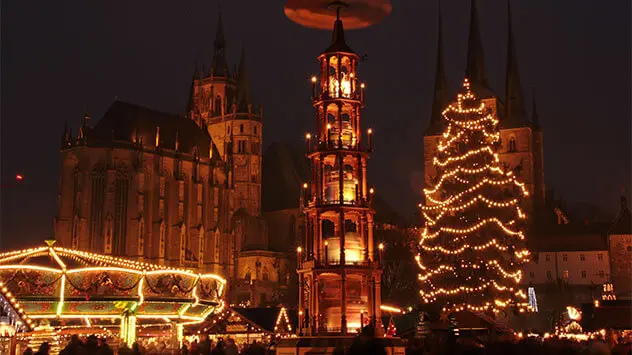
(512, 144)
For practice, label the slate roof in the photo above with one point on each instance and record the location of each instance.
(568, 242)
(125, 121)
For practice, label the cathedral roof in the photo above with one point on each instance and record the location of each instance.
(128, 122)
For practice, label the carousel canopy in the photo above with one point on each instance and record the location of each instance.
(57, 283)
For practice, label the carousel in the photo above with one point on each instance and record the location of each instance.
(49, 293)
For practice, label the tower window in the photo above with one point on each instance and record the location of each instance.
(582, 257)
(600, 257)
(566, 274)
(241, 128)
(255, 130)
(548, 275)
(583, 274)
(512, 144)
(241, 146)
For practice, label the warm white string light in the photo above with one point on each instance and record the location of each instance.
(473, 238)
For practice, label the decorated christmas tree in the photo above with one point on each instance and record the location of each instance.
(473, 245)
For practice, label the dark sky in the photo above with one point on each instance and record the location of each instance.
(58, 56)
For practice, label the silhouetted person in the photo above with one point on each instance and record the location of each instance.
(74, 346)
(44, 349)
(101, 348)
(28, 351)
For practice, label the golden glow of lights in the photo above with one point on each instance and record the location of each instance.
(108, 264)
(472, 240)
(314, 79)
(362, 85)
(282, 317)
(299, 250)
(573, 313)
(328, 125)
(380, 246)
(371, 191)
(370, 131)
(391, 309)
(308, 136)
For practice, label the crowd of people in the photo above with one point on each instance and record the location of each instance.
(364, 343)
(524, 346)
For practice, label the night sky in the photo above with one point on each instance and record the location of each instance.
(59, 56)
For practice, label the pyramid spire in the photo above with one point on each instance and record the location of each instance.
(514, 100)
(66, 136)
(440, 87)
(219, 65)
(243, 84)
(191, 102)
(338, 43)
(534, 115)
(475, 69)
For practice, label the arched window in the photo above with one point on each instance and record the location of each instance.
(512, 144)
(119, 239)
(218, 105)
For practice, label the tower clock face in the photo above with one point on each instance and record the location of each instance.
(240, 160)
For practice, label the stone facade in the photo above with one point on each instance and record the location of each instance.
(151, 191)
(620, 246)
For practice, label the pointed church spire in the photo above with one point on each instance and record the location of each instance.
(190, 103)
(65, 138)
(475, 69)
(515, 113)
(534, 118)
(243, 84)
(219, 65)
(440, 87)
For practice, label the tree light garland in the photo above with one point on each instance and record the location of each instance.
(472, 246)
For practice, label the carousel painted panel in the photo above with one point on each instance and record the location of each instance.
(39, 307)
(102, 283)
(210, 290)
(81, 309)
(31, 282)
(169, 285)
(160, 308)
(199, 310)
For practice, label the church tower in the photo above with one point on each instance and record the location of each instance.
(222, 102)
(521, 149)
(339, 275)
